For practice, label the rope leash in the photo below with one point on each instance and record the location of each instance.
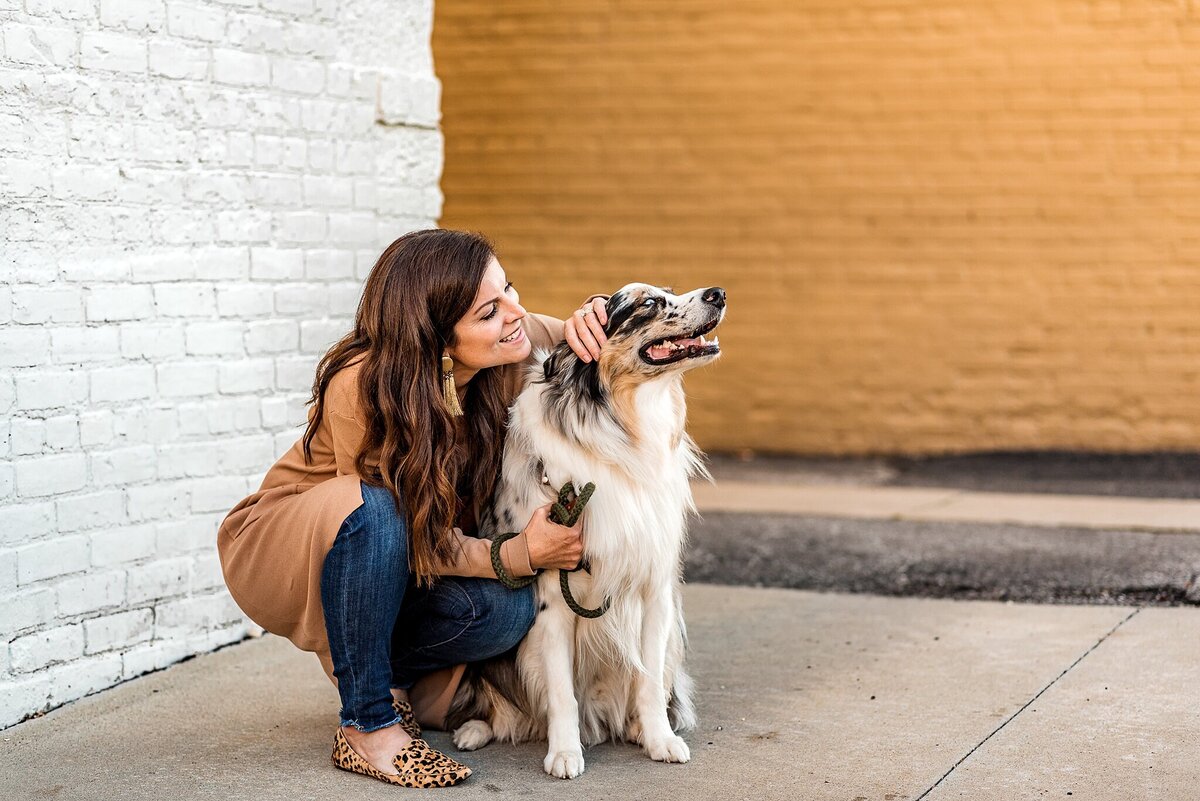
(565, 512)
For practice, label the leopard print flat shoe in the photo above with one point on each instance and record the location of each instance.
(418, 765)
(408, 720)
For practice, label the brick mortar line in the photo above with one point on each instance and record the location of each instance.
(1027, 704)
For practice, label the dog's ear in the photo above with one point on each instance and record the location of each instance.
(554, 362)
(617, 310)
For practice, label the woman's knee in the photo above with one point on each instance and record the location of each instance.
(507, 614)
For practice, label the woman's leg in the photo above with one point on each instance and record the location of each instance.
(363, 582)
(457, 620)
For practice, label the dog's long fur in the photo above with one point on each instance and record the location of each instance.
(619, 423)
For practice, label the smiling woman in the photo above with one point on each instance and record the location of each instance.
(485, 336)
(356, 544)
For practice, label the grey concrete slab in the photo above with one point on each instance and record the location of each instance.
(801, 696)
(946, 560)
(1122, 724)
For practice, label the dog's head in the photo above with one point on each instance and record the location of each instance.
(652, 331)
(652, 334)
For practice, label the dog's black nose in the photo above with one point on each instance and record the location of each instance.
(714, 295)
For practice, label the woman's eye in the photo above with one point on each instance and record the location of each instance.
(492, 313)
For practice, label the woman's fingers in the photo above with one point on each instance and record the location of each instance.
(600, 306)
(585, 332)
(551, 545)
(572, 336)
(595, 324)
(588, 338)
(581, 339)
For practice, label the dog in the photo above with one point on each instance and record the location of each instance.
(618, 422)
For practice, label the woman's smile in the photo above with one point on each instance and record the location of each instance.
(514, 338)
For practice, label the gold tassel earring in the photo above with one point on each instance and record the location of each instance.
(449, 393)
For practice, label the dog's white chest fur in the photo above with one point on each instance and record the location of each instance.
(634, 523)
(612, 677)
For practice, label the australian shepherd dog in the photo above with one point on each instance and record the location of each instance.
(617, 422)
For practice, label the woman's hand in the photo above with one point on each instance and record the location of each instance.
(584, 329)
(552, 545)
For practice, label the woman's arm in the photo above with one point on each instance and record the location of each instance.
(542, 543)
(473, 557)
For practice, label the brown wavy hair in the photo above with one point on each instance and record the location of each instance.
(422, 285)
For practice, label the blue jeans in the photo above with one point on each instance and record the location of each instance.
(386, 632)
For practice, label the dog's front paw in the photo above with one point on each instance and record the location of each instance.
(669, 749)
(564, 764)
(472, 735)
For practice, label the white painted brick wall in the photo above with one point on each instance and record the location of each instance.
(191, 192)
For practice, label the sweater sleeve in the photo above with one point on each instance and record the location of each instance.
(346, 422)
(347, 434)
(473, 557)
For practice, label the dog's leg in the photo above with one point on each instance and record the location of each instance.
(564, 758)
(662, 744)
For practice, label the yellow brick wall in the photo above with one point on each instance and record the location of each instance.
(943, 226)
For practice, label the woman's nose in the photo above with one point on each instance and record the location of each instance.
(714, 295)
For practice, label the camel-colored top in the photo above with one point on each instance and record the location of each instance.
(273, 543)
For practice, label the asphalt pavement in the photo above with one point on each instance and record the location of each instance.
(946, 560)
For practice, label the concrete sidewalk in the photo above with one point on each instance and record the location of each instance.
(801, 696)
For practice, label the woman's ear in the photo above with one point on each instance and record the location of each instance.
(451, 351)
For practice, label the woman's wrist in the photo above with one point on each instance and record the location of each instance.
(514, 553)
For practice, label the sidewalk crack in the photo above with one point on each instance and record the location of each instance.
(1026, 705)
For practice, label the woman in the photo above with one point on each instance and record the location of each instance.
(341, 548)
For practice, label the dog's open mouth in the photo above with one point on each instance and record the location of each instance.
(666, 351)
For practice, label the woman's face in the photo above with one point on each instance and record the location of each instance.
(491, 333)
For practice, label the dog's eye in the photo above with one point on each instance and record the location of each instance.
(654, 301)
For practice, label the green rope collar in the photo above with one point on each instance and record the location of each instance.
(565, 512)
